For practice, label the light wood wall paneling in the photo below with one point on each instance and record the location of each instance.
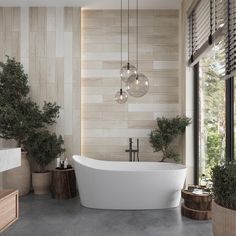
(47, 41)
(106, 125)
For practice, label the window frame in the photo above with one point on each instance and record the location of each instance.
(229, 117)
(196, 116)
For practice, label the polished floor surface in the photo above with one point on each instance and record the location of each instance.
(43, 216)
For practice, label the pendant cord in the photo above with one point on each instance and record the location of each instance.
(128, 31)
(137, 35)
(121, 32)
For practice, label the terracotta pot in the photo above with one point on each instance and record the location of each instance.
(41, 182)
(223, 221)
(19, 177)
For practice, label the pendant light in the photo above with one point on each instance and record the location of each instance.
(137, 84)
(128, 69)
(121, 96)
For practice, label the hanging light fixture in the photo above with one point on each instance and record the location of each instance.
(137, 84)
(121, 96)
(128, 69)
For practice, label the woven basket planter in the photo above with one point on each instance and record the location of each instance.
(223, 221)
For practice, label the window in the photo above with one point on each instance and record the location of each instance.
(211, 102)
(215, 118)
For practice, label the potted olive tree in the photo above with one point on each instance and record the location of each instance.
(43, 147)
(224, 203)
(20, 116)
(164, 134)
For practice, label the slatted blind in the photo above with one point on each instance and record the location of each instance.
(230, 39)
(219, 8)
(202, 19)
(204, 23)
(220, 15)
(198, 27)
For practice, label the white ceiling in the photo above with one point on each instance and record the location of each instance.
(95, 4)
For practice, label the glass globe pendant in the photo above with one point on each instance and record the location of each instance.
(121, 97)
(126, 71)
(137, 85)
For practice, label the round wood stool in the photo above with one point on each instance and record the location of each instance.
(63, 183)
(196, 206)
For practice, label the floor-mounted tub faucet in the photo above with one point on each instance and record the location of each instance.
(133, 152)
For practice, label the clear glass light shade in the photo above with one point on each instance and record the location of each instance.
(121, 97)
(137, 85)
(126, 71)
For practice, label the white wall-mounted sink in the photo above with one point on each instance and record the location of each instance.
(9, 158)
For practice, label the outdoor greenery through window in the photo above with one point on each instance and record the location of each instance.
(212, 122)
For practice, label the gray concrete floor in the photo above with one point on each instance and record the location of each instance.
(43, 216)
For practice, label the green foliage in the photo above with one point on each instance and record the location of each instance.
(212, 112)
(13, 81)
(44, 147)
(19, 115)
(214, 150)
(167, 130)
(224, 185)
(50, 113)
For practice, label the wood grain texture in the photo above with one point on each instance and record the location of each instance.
(63, 184)
(106, 126)
(9, 208)
(197, 202)
(47, 41)
(52, 53)
(195, 214)
(195, 206)
(10, 32)
(223, 220)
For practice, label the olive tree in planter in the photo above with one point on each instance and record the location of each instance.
(20, 116)
(224, 204)
(43, 147)
(164, 134)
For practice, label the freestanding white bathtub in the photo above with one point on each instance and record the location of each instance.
(128, 185)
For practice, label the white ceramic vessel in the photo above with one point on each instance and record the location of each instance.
(128, 185)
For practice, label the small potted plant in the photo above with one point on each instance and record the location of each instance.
(224, 203)
(43, 147)
(167, 130)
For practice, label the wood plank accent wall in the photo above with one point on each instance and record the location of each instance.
(106, 125)
(47, 41)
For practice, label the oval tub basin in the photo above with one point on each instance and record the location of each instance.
(128, 185)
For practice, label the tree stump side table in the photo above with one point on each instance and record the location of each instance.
(63, 184)
(196, 206)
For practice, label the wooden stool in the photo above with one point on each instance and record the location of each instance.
(63, 184)
(196, 206)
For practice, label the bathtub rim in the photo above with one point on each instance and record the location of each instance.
(80, 157)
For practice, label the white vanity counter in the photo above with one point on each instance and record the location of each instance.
(9, 158)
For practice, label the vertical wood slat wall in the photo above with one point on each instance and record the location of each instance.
(106, 125)
(47, 41)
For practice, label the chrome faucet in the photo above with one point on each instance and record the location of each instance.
(133, 152)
